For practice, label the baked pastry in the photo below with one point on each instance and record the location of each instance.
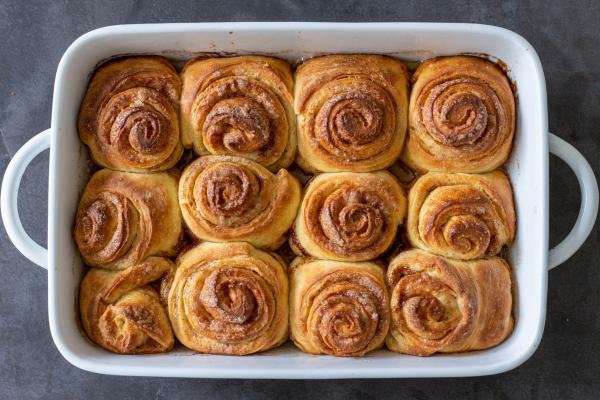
(348, 216)
(227, 198)
(240, 106)
(461, 116)
(338, 308)
(463, 216)
(351, 112)
(124, 217)
(446, 306)
(229, 298)
(128, 117)
(123, 311)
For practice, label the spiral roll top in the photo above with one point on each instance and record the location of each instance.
(128, 117)
(441, 305)
(229, 299)
(461, 116)
(349, 216)
(225, 198)
(338, 308)
(122, 311)
(123, 218)
(351, 112)
(460, 215)
(240, 106)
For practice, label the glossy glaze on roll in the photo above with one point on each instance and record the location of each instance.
(240, 106)
(447, 306)
(123, 312)
(338, 308)
(229, 298)
(351, 112)
(348, 216)
(462, 216)
(225, 198)
(129, 115)
(461, 116)
(124, 217)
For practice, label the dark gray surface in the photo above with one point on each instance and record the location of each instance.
(567, 38)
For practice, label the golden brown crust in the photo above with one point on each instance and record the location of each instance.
(349, 216)
(229, 298)
(226, 198)
(240, 106)
(338, 308)
(124, 217)
(128, 116)
(447, 306)
(122, 313)
(461, 116)
(351, 112)
(463, 216)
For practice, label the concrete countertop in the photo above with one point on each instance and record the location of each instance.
(566, 36)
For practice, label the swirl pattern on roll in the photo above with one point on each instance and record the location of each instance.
(338, 308)
(352, 112)
(226, 198)
(229, 298)
(123, 311)
(129, 115)
(443, 305)
(124, 217)
(462, 216)
(461, 116)
(348, 216)
(240, 106)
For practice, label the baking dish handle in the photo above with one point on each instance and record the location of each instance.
(9, 195)
(589, 201)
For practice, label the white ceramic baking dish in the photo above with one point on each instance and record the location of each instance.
(527, 167)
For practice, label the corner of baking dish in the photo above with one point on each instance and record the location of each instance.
(64, 265)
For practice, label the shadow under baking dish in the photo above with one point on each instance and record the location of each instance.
(527, 168)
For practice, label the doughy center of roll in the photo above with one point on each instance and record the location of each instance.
(105, 228)
(228, 194)
(230, 304)
(461, 111)
(353, 218)
(239, 123)
(356, 120)
(425, 306)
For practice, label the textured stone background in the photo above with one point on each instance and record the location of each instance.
(567, 38)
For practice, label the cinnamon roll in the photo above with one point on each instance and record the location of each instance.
(338, 308)
(351, 112)
(128, 117)
(461, 116)
(124, 217)
(123, 311)
(348, 216)
(461, 216)
(446, 306)
(229, 298)
(240, 106)
(226, 198)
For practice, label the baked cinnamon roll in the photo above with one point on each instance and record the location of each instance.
(226, 198)
(461, 116)
(461, 216)
(125, 311)
(240, 106)
(348, 216)
(124, 217)
(446, 306)
(351, 112)
(229, 298)
(338, 308)
(128, 117)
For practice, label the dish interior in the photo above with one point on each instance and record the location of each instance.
(295, 42)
